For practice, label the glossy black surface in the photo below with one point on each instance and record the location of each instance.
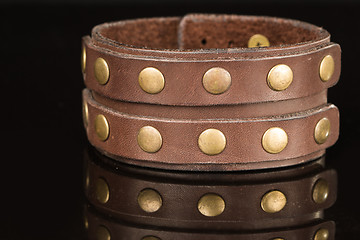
(43, 138)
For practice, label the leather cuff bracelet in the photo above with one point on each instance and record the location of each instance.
(99, 227)
(215, 201)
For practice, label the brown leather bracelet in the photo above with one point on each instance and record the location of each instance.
(225, 201)
(204, 60)
(242, 143)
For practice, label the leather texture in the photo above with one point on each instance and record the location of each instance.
(174, 46)
(181, 191)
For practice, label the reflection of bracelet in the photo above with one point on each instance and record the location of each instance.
(210, 92)
(204, 200)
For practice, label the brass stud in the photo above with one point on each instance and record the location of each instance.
(102, 191)
(274, 140)
(278, 239)
(86, 223)
(273, 201)
(258, 40)
(327, 67)
(211, 205)
(83, 59)
(150, 238)
(321, 234)
(280, 77)
(320, 191)
(216, 80)
(85, 113)
(101, 70)
(103, 233)
(149, 200)
(212, 141)
(322, 130)
(102, 127)
(151, 80)
(149, 139)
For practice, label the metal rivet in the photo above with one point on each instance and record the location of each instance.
(322, 130)
(102, 190)
(150, 238)
(149, 200)
(212, 141)
(216, 80)
(278, 239)
(149, 139)
(320, 191)
(280, 77)
(103, 233)
(83, 59)
(86, 223)
(321, 234)
(211, 205)
(101, 70)
(327, 67)
(102, 127)
(274, 140)
(273, 201)
(258, 40)
(151, 80)
(85, 113)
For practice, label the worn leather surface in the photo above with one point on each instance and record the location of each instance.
(180, 192)
(176, 47)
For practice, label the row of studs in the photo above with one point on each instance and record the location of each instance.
(104, 234)
(216, 80)
(210, 141)
(210, 204)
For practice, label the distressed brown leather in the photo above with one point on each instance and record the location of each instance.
(181, 191)
(175, 47)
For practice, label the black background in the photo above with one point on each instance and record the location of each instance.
(41, 82)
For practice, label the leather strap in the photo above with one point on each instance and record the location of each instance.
(183, 49)
(242, 193)
(180, 150)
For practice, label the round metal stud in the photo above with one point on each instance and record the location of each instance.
(274, 140)
(149, 200)
(327, 67)
(211, 205)
(103, 233)
(102, 191)
(258, 40)
(85, 113)
(102, 127)
(151, 80)
(280, 77)
(278, 239)
(322, 130)
(273, 201)
(150, 238)
(212, 141)
(83, 59)
(101, 71)
(216, 80)
(322, 234)
(149, 139)
(86, 223)
(320, 191)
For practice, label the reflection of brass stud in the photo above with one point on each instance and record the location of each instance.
(216, 80)
(102, 127)
(212, 141)
(258, 40)
(85, 112)
(150, 238)
(322, 130)
(280, 77)
(327, 67)
(102, 191)
(321, 234)
(320, 191)
(86, 223)
(274, 140)
(103, 233)
(83, 59)
(151, 80)
(149, 139)
(211, 205)
(149, 200)
(101, 70)
(273, 201)
(278, 239)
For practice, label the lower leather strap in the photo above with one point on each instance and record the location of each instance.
(224, 201)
